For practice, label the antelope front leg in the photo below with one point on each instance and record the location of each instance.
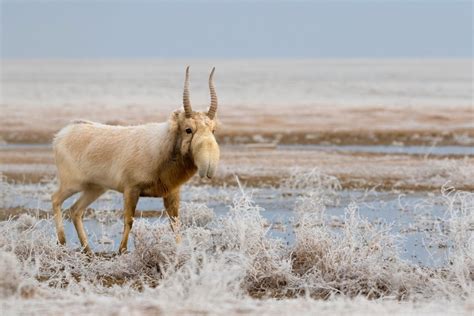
(171, 202)
(130, 199)
(58, 198)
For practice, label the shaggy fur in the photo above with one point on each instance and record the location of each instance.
(151, 160)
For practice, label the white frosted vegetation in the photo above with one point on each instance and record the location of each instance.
(232, 264)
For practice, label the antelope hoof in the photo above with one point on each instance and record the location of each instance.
(87, 251)
(62, 239)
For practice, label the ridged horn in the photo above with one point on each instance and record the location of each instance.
(186, 102)
(213, 108)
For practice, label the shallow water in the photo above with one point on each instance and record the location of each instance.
(13, 146)
(388, 149)
(382, 149)
(409, 216)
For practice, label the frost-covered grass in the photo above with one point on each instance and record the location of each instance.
(232, 264)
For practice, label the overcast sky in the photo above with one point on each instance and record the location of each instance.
(238, 29)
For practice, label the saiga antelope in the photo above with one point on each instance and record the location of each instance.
(151, 160)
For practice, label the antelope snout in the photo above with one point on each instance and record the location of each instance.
(207, 159)
(207, 172)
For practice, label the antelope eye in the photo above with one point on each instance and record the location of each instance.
(189, 131)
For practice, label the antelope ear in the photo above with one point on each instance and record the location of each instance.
(174, 119)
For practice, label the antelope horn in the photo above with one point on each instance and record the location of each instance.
(186, 103)
(213, 108)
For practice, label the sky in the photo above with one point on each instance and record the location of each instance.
(236, 29)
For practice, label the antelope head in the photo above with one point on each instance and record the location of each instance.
(196, 132)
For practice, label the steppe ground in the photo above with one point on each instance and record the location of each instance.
(345, 189)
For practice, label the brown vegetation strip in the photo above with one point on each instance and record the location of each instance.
(347, 182)
(292, 124)
(289, 137)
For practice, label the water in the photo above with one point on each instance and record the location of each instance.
(382, 149)
(263, 82)
(388, 149)
(13, 146)
(410, 216)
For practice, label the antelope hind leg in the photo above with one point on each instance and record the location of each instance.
(77, 213)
